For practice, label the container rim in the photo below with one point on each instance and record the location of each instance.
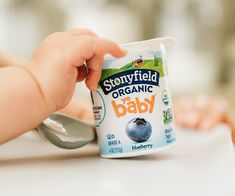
(146, 45)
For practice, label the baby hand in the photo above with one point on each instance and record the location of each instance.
(64, 58)
(204, 113)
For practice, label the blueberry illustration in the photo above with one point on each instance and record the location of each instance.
(138, 130)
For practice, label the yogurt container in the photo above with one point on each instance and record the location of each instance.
(132, 105)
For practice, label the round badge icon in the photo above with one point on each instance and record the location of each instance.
(165, 98)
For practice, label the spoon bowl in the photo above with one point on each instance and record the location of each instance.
(75, 133)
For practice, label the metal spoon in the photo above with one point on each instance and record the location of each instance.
(66, 132)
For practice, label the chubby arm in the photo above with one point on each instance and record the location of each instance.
(30, 93)
(7, 61)
(22, 106)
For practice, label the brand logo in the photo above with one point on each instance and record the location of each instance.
(138, 62)
(130, 77)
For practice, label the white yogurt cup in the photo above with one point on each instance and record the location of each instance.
(132, 105)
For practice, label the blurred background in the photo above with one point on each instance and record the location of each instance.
(202, 61)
